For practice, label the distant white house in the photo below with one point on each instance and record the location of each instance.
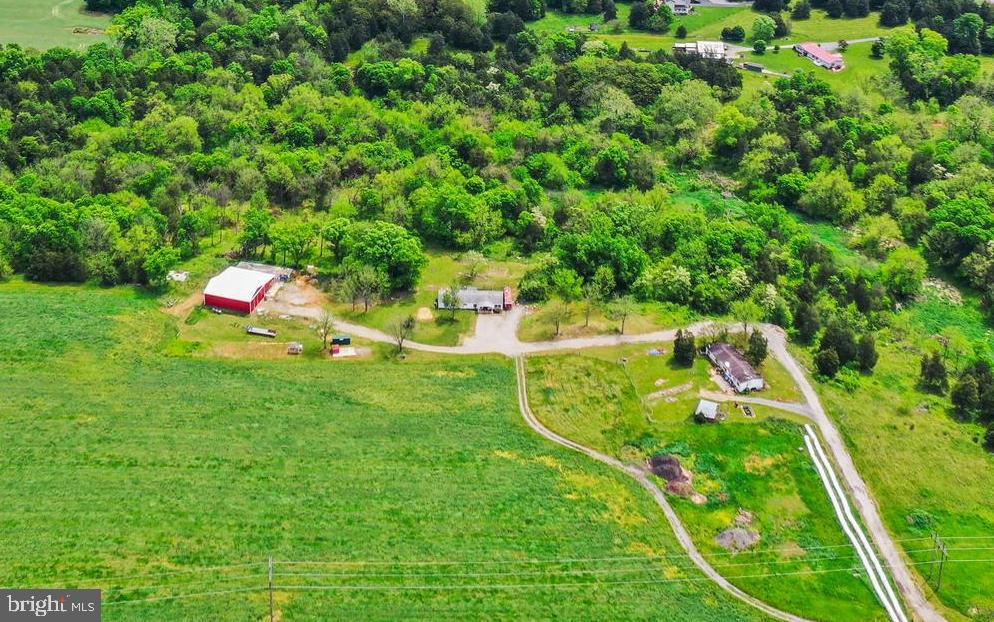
(820, 56)
(682, 7)
(479, 300)
(705, 49)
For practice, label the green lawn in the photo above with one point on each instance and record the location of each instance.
(443, 269)
(45, 24)
(557, 21)
(927, 471)
(537, 326)
(860, 69)
(155, 476)
(708, 22)
(739, 464)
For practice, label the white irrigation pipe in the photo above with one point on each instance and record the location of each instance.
(874, 581)
(856, 526)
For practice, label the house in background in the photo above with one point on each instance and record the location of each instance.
(705, 49)
(682, 7)
(479, 300)
(820, 56)
(734, 367)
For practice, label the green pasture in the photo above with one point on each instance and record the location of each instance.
(926, 470)
(44, 24)
(740, 466)
(398, 489)
(707, 23)
(860, 69)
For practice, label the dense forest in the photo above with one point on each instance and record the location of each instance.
(465, 132)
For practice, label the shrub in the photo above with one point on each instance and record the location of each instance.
(827, 362)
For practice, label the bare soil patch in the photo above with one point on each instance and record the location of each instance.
(736, 539)
(656, 395)
(424, 314)
(299, 298)
(182, 309)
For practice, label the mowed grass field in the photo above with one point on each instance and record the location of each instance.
(436, 327)
(926, 470)
(707, 23)
(604, 399)
(44, 24)
(860, 69)
(399, 490)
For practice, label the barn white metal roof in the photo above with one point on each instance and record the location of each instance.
(237, 284)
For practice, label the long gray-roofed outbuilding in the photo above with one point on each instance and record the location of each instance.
(734, 367)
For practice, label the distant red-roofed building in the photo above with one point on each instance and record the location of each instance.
(820, 56)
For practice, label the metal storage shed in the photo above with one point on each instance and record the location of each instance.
(238, 289)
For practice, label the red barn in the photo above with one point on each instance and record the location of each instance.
(238, 289)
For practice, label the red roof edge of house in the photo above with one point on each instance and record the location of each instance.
(819, 52)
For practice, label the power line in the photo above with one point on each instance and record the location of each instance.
(507, 585)
(499, 586)
(477, 562)
(582, 571)
(158, 574)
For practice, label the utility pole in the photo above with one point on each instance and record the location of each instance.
(942, 552)
(271, 589)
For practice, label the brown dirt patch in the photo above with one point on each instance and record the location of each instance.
(424, 314)
(182, 309)
(656, 395)
(736, 539)
(744, 518)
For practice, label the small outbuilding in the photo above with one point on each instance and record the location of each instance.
(295, 347)
(734, 367)
(707, 412)
(238, 289)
